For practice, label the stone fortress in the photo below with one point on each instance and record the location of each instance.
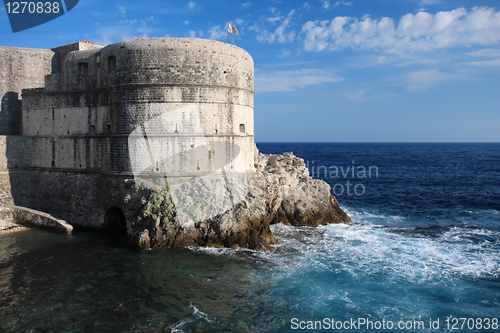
(78, 120)
(152, 139)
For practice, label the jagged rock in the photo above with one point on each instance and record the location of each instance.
(306, 201)
(232, 210)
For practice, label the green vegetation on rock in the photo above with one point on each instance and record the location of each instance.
(157, 206)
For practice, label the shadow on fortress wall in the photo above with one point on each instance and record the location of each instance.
(85, 198)
(11, 146)
(10, 114)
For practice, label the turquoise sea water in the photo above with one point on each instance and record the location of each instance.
(423, 252)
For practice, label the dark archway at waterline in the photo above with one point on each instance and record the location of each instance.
(115, 224)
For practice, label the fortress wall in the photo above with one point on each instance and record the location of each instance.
(56, 121)
(83, 154)
(215, 118)
(178, 160)
(79, 198)
(178, 62)
(76, 152)
(62, 51)
(20, 68)
(158, 61)
(215, 77)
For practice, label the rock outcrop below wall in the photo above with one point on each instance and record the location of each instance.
(280, 191)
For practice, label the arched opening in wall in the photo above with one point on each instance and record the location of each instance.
(242, 128)
(111, 63)
(115, 224)
(83, 68)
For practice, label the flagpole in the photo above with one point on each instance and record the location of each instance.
(227, 32)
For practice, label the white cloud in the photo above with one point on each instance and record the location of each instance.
(358, 95)
(427, 78)
(112, 34)
(122, 10)
(238, 21)
(327, 4)
(217, 32)
(485, 53)
(191, 5)
(280, 34)
(306, 5)
(134, 21)
(275, 19)
(245, 4)
(430, 2)
(124, 30)
(293, 80)
(196, 34)
(422, 31)
(486, 63)
(284, 54)
(186, 22)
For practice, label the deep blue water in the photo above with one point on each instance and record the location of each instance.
(424, 247)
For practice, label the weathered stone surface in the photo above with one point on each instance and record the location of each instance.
(82, 104)
(29, 216)
(7, 223)
(305, 201)
(163, 110)
(20, 68)
(280, 191)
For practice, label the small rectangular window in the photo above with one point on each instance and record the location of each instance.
(83, 68)
(242, 128)
(112, 63)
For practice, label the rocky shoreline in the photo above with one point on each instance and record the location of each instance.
(279, 191)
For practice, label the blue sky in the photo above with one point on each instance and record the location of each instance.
(329, 71)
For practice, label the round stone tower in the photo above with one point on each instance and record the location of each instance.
(193, 96)
(169, 108)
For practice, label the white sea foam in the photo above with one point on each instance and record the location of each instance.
(220, 251)
(197, 315)
(367, 247)
(361, 216)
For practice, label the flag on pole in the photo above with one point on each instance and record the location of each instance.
(231, 29)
